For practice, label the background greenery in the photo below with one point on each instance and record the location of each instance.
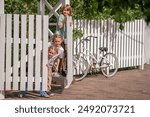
(119, 10)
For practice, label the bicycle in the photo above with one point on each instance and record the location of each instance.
(84, 63)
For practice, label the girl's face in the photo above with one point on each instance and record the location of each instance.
(57, 41)
(51, 52)
(66, 12)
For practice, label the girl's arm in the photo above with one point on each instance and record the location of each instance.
(61, 21)
(61, 25)
(57, 64)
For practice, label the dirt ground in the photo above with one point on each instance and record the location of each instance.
(125, 85)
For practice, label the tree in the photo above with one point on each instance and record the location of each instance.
(21, 6)
(119, 10)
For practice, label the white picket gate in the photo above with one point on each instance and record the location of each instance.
(128, 44)
(23, 50)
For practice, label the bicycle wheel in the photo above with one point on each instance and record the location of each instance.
(109, 65)
(80, 68)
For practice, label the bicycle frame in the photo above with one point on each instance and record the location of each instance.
(91, 59)
(88, 57)
(87, 62)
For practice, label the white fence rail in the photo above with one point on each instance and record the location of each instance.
(23, 51)
(128, 44)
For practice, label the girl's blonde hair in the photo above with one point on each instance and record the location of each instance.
(52, 47)
(57, 36)
(68, 7)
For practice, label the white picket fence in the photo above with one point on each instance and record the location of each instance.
(23, 52)
(24, 46)
(128, 44)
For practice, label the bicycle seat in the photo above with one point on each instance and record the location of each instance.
(103, 49)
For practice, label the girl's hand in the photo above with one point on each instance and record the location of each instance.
(56, 70)
(47, 65)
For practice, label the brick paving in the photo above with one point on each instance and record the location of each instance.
(125, 85)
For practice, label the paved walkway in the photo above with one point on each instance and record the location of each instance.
(129, 84)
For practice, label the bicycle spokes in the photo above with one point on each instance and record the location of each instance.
(80, 69)
(109, 65)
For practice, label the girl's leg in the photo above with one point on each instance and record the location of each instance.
(49, 78)
(49, 81)
(43, 93)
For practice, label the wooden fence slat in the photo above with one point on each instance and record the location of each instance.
(108, 35)
(138, 41)
(102, 33)
(121, 50)
(8, 51)
(23, 52)
(92, 40)
(116, 44)
(16, 52)
(45, 53)
(38, 52)
(2, 51)
(142, 45)
(124, 49)
(95, 40)
(30, 52)
(127, 45)
(134, 44)
(119, 46)
(135, 49)
(89, 33)
(98, 38)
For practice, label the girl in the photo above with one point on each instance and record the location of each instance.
(57, 42)
(62, 30)
(51, 56)
(51, 59)
(61, 23)
(55, 54)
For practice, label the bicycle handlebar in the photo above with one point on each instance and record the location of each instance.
(91, 36)
(87, 38)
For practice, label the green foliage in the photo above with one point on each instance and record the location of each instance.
(119, 10)
(21, 6)
(146, 10)
(77, 34)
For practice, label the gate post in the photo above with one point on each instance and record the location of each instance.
(69, 53)
(1, 6)
(2, 56)
(69, 77)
